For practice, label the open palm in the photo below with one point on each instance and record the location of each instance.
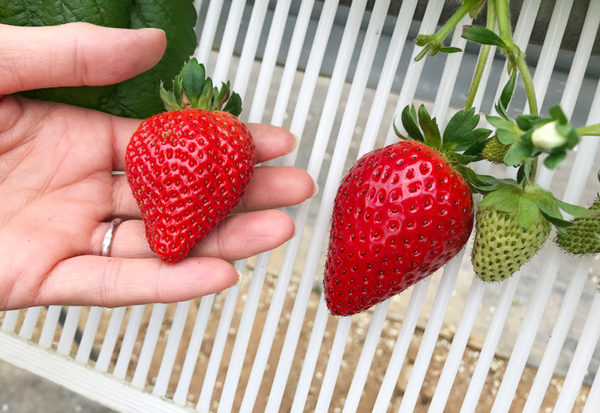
(58, 190)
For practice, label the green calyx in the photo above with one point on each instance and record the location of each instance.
(461, 142)
(530, 203)
(192, 89)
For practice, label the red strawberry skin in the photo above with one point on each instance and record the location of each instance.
(187, 170)
(400, 213)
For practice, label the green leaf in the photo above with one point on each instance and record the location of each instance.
(524, 171)
(528, 212)
(557, 114)
(411, 123)
(482, 35)
(507, 137)
(517, 153)
(575, 211)
(501, 123)
(505, 198)
(138, 97)
(482, 184)
(193, 77)
(508, 90)
(526, 122)
(459, 125)
(553, 160)
(169, 98)
(476, 9)
(448, 49)
(559, 223)
(430, 129)
(233, 105)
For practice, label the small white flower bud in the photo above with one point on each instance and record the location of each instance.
(547, 137)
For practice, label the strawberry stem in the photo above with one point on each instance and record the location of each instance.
(483, 56)
(591, 130)
(514, 54)
(434, 42)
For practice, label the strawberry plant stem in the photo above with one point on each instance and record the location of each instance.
(438, 38)
(483, 57)
(514, 54)
(592, 130)
(516, 57)
(528, 82)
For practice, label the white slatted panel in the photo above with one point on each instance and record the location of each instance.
(339, 101)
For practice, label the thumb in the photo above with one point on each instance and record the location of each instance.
(74, 54)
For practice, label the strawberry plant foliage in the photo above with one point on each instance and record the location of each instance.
(137, 97)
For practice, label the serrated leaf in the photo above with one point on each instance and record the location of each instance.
(411, 123)
(459, 125)
(501, 123)
(430, 129)
(505, 199)
(528, 212)
(553, 160)
(517, 153)
(482, 35)
(476, 148)
(526, 122)
(507, 137)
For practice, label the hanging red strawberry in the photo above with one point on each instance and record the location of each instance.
(401, 212)
(188, 167)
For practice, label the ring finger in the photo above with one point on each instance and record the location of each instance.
(237, 237)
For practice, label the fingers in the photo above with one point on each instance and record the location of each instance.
(276, 186)
(112, 282)
(74, 54)
(237, 237)
(270, 141)
(270, 187)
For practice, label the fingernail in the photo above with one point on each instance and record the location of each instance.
(316, 191)
(153, 29)
(240, 277)
(296, 141)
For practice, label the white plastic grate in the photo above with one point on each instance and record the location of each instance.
(337, 74)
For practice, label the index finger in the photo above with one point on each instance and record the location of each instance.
(270, 141)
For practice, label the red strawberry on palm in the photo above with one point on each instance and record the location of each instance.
(189, 167)
(401, 212)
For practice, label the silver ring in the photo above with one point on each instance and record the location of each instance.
(108, 237)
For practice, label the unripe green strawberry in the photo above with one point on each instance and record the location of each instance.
(494, 151)
(502, 246)
(583, 237)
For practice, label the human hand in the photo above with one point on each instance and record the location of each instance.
(58, 193)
